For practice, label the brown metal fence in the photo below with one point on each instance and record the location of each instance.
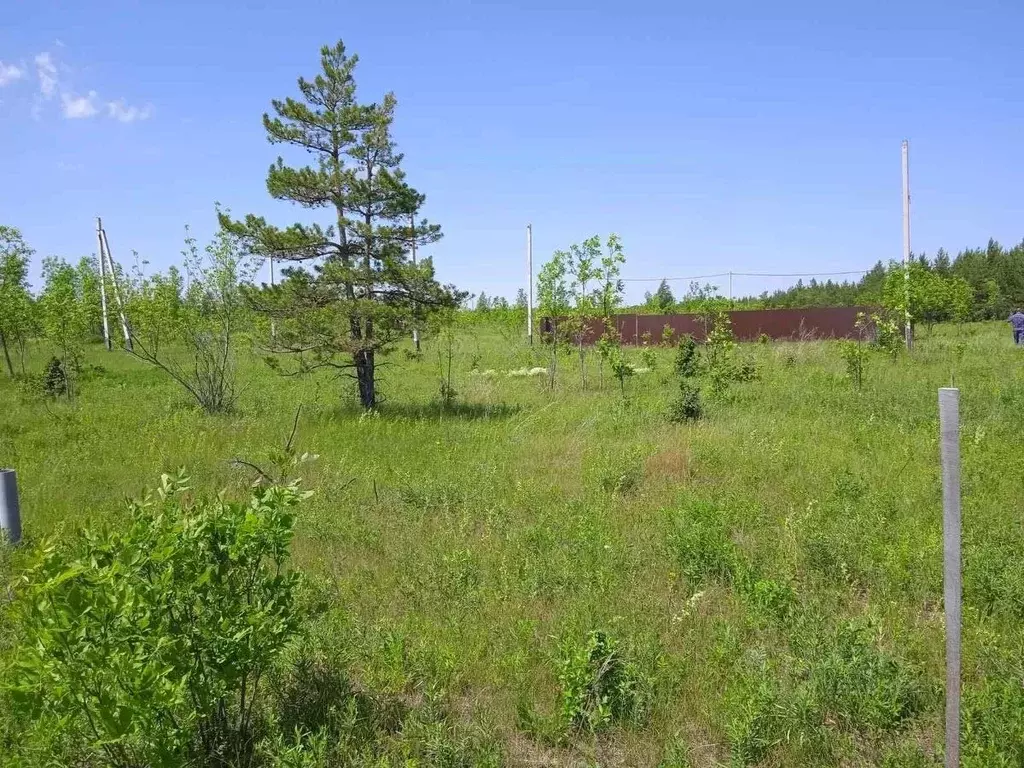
(747, 324)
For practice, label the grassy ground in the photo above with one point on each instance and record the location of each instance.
(772, 573)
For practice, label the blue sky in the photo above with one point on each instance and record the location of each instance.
(753, 137)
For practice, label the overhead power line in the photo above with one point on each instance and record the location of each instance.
(671, 279)
(745, 274)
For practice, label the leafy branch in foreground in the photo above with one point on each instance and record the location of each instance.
(148, 641)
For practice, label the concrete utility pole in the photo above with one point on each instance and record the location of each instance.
(101, 235)
(907, 330)
(103, 283)
(529, 282)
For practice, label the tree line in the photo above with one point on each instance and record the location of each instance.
(977, 284)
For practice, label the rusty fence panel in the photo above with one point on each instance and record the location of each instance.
(747, 325)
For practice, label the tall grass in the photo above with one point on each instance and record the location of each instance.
(774, 568)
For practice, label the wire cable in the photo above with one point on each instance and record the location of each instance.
(745, 274)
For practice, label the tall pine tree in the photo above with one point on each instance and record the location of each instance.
(353, 290)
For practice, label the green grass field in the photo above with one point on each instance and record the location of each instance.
(772, 574)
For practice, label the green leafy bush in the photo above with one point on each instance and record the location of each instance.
(687, 405)
(889, 335)
(771, 600)
(621, 368)
(55, 380)
(648, 358)
(720, 342)
(146, 641)
(686, 356)
(852, 354)
(745, 370)
(598, 685)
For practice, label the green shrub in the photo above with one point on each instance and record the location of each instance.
(598, 685)
(771, 600)
(686, 356)
(648, 358)
(147, 640)
(889, 335)
(852, 353)
(621, 368)
(720, 343)
(745, 370)
(55, 380)
(686, 406)
(755, 727)
(720, 376)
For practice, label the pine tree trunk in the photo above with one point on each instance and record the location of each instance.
(7, 354)
(365, 378)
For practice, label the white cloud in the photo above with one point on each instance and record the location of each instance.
(76, 107)
(126, 114)
(47, 71)
(9, 73)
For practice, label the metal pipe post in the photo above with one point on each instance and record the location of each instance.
(10, 510)
(949, 433)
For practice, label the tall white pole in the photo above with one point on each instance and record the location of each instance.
(103, 282)
(907, 330)
(117, 291)
(529, 282)
(949, 433)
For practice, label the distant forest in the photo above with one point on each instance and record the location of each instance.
(994, 274)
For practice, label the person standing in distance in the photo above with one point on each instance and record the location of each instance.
(1017, 323)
